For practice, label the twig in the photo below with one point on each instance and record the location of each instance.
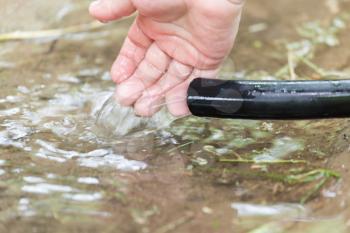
(262, 161)
(291, 65)
(313, 66)
(52, 33)
(173, 225)
(282, 71)
(178, 147)
(237, 155)
(311, 176)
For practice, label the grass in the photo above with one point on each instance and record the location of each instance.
(318, 176)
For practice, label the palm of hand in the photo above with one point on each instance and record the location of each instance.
(170, 43)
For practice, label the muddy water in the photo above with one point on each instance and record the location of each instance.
(62, 172)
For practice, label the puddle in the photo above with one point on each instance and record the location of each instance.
(74, 160)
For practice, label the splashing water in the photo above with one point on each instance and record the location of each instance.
(117, 120)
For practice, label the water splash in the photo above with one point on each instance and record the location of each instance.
(14, 135)
(116, 120)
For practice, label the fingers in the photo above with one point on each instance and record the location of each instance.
(131, 54)
(152, 99)
(128, 59)
(176, 98)
(151, 68)
(108, 10)
(149, 106)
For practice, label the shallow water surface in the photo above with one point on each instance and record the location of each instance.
(68, 166)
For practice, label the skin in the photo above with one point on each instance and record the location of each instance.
(170, 43)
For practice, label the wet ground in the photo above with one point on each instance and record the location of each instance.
(60, 172)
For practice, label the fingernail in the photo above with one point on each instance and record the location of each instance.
(95, 3)
(94, 7)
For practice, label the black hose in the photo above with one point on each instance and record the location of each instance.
(246, 99)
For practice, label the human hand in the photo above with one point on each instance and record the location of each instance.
(170, 43)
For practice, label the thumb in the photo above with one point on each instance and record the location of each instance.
(108, 10)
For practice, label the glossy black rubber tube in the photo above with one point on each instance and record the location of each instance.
(246, 99)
